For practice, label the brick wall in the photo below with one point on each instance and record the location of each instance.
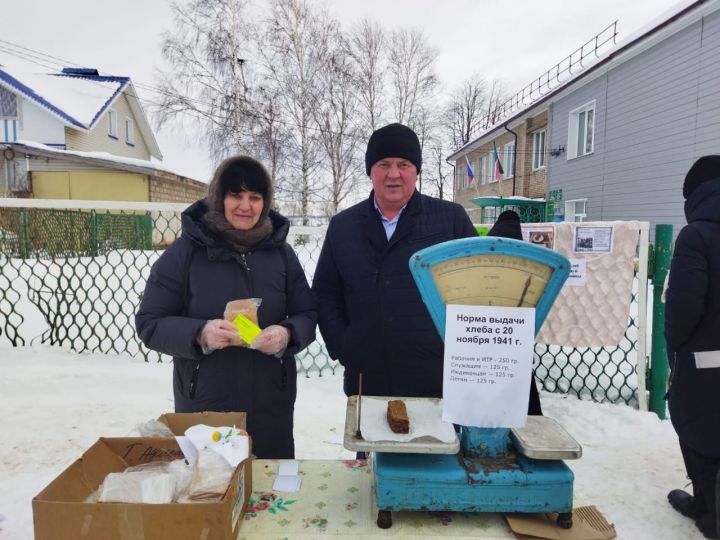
(176, 189)
(528, 183)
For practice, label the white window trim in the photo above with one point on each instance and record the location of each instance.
(8, 128)
(488, 215)
(573, 130)
(571, 204)
(129, 131)
(491, 167)
(112, 123)
(509, 160)
(538, 156)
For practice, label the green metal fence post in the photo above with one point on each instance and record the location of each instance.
(549, 211)
(93, 238)
(658, 359)
(24, 235)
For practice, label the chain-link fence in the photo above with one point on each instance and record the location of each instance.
(598, 373)
(74, 278)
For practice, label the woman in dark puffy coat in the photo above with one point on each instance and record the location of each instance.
(692, 332)
(233, 246)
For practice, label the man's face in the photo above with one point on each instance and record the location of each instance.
(393, 180)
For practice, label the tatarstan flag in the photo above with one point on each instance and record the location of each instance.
(498, 167)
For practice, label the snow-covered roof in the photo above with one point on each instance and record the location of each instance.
(78, 100)
(103, 159)
(616, 55)
(77, 97)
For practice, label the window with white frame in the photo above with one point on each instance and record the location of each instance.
(462, 177)
(112, 123)
(538, 150)
(8, 116)
(8, 129)
(576, 210)
(491, 167)
(8, 104)
(7, 180)
(581, 131)
(482, 170)
(129, 131)
(489, 214)
(509, 161)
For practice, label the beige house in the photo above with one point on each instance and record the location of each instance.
(40, 172)
(80, 135)
(506, 161)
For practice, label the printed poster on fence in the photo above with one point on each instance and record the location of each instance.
(488, 365)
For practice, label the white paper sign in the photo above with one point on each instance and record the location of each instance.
(290, 484)
(593, 240)
(578, 273)
(288, 468)
(488, 365)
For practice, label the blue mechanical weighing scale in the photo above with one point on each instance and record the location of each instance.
(490, 469)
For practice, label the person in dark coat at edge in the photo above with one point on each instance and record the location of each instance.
(692, 332)
(371, 315)
(233, 246)
(507, 225)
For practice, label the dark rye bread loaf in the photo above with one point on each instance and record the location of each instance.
(397, 416)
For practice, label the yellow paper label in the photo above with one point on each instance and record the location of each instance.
(247, 329)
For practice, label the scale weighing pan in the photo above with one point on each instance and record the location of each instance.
(420, 445)
(488, 272)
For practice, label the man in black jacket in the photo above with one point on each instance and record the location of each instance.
(692, 324)
(370, 312)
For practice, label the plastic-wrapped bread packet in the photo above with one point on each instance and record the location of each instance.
(150, 483)
(243, 314)
(211, 477)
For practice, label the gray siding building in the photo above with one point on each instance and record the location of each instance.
(623, 132)
(632, 128)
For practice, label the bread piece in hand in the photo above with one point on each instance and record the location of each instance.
(397, 416)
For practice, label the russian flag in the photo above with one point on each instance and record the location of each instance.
(471, 175)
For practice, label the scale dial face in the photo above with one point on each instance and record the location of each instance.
(491, 280)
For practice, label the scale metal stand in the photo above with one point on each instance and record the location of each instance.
(491, 469)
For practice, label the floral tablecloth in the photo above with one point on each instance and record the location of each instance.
(336, 501)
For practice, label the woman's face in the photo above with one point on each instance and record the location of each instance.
(243, 209)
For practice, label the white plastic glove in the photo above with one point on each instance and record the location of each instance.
(216, 334)
(272, 340)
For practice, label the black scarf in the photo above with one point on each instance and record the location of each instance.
(241, 241)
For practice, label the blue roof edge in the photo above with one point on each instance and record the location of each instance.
(29, 92)
(99, 78)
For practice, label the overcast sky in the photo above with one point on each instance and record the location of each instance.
(514, 40)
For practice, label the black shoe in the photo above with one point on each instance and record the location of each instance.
(683, 502)
(707, 523)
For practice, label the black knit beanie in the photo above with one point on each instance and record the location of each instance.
(704, 169)
(507, 226)
(393, 140)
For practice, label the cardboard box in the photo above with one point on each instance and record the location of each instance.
(59, 510)
(588, 524)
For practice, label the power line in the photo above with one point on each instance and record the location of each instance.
(38, 57)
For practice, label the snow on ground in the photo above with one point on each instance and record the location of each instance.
(56, 403)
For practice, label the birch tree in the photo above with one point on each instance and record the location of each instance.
(337, 117)
(466, 110)
(437, 172)
(412, 73)
(207, 78)
(294, 55)
(367, 47)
